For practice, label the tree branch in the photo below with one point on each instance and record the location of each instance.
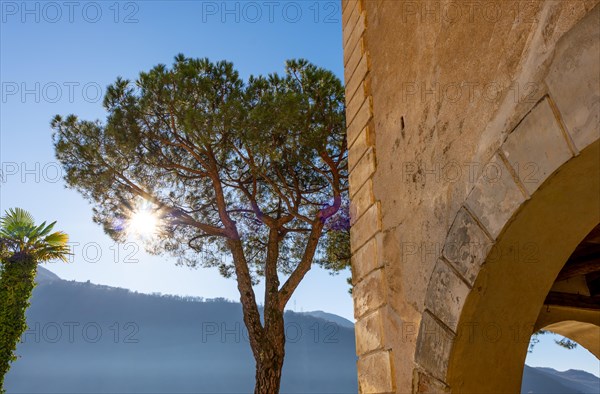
(303, 267)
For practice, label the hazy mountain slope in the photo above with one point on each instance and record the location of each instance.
(536, 381)
(43, 275)
(581, 381)
(331, 318)
(85, 338)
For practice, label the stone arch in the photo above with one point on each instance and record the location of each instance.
(536, 199)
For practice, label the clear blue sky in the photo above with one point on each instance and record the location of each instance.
(75, 57)
(547, 354)
(57, 58)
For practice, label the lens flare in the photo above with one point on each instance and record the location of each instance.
(143, 222)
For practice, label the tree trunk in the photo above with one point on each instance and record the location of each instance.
(16, 285)
(268, 370)
(270, 352)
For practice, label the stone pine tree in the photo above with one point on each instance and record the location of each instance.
(23, 245)
(250, 177)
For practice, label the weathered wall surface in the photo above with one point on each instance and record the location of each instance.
(434, 91)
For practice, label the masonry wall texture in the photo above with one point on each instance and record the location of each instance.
(457, 113)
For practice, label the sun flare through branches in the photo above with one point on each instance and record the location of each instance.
(143, 222)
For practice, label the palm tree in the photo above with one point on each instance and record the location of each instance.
(22, 246)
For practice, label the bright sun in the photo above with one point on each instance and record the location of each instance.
(143, 222)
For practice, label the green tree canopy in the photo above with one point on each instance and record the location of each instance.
(253, 170)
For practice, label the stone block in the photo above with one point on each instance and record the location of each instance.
(433, 347)
(362, 171)
(428, 384)
(350, 24)
(466, 246)
(366, 227)
(364, 260)
(369, 294)
(359, 147)
(446, 294)
(574, 80)
(369, 333)
(353, 39)
(348, 7)
(375, 373)
(537, 147)
(353, 106)
(357, 77)
(361, 201)
(495, 196)
(353, 60)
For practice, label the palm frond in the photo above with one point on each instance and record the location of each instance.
(46, 254)
(57, 238)
(42, 230)
(19, 233)
(16, 217)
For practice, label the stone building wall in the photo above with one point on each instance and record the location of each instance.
(457, 112)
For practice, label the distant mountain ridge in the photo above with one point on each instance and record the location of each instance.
(549, 381)
(330, 317)
(586, 379)
(86, 338)
(45, 276)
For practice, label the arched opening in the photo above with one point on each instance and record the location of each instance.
(568, 368)
(571, 315)
(572, 307)
(501, 311)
